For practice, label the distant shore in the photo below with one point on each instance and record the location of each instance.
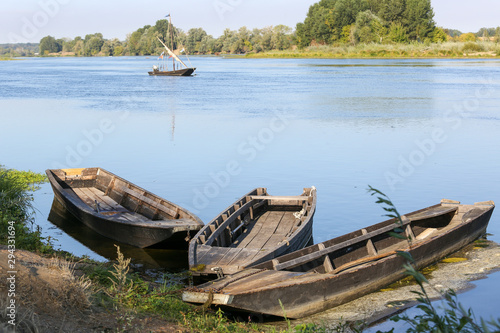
(447, 50)
(408, 51)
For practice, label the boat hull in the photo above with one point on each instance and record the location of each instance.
(261, 290)
(178, 72)
(140, 233)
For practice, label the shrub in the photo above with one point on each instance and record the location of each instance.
(16, 209)
(472, 47)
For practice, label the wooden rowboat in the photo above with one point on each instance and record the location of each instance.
(328, 274)
(256, 228)
(177, 72)
(122, 211)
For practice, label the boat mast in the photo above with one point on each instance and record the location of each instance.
(171, 39)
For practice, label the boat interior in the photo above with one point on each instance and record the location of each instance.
(110, 195)
(250, 226)
(375, 242)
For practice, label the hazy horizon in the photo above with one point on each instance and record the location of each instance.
(32, 20)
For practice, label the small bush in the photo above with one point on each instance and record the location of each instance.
(472, 47)
(16, 209)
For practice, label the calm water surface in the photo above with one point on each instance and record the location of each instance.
(418, 130)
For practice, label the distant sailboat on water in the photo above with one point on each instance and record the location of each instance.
(179, 68)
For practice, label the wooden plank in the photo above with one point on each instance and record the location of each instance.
(201, 250)
(327, 264)
(318, 254)
(268, 229)
(233, 253)
(213, 256)
(282, 230)
(216, 232)
(369, 244)
(433, 212)
(264, 278)
(73, 172)
(110, 202)
(80, 194)
(243, 256)
(90, 198)
(280, 198)
(134, 217)
(125, 215)
(149, 201)
(252, 231)
(110, 186)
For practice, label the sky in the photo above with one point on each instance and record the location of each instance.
(31, 20)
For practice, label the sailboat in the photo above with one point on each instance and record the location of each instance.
(179, 68)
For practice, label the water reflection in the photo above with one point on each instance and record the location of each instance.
(172, 260)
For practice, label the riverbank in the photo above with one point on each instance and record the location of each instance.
(54, 294)
(416, 50)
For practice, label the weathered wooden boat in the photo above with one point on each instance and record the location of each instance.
(122, 211)
(254, 229)
(177, 70)
(330, 273)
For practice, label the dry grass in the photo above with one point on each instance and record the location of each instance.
(48, 289)
(26, 320)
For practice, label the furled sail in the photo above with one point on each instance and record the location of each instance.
(172, 53)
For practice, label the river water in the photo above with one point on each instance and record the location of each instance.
(418, 130)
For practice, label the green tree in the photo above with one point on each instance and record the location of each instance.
(418, 19)
(107, 48)
(438, 35)
(281, 37)
(79, 46)
(133, 42)
(92, 44)
(468, 37)
(319, 25)
(398, 33)
(391, 10)
(345, 13)
(228, 41)
(347, 35)
(193, 40)
(49, 45)
(369, 28)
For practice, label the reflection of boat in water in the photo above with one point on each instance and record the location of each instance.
(172, 260)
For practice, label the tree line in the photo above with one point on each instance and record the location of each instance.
(328, 22)
(144, 41)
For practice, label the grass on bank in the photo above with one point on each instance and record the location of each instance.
(413, 50)
(16, 209)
